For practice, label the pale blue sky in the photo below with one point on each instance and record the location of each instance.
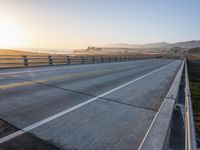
(79, 23)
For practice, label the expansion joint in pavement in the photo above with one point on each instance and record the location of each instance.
(83, 93)
(111, 100)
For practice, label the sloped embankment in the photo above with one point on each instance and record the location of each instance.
(194, 78)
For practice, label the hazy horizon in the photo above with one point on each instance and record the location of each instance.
(78, 24)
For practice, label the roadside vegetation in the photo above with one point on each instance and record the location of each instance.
(194, 77)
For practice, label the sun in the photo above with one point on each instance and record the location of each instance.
(11, 34)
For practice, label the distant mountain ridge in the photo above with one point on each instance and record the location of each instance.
(185, 45)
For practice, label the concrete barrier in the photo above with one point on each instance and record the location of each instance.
(157, 136)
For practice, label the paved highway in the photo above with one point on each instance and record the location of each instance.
(94, 106)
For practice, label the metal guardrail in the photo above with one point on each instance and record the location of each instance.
(157, 136)
(38, 60)
(190, 135)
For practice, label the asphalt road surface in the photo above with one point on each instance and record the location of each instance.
(95, 106)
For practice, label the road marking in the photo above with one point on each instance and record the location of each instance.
(155, 117)
(48, 119)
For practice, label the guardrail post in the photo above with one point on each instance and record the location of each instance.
(82, 60)
(50, 60)
(68, 60)
(25, 60)
(115, 58)
(109, 59)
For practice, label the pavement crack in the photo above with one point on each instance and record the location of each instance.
(53, 86)
(78, 92)
(115, 101)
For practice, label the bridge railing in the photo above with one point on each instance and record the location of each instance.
(40, 60)
(158, 134)
(190, 135)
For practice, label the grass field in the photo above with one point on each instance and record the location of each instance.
(18, 52)
(194, 77)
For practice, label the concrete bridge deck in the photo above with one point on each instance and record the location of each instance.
(93, 106)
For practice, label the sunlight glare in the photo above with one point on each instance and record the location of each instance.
(11, 34)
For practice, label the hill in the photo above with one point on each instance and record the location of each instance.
(176, 50)
(161, 45)
(194, 50)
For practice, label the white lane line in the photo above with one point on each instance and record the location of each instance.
(37, 124)
(52, 69)
(156, 116)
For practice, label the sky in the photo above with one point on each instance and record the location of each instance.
(74, 24)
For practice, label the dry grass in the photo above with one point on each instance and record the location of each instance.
(194, 77)
(194, 56)
(18, 52)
